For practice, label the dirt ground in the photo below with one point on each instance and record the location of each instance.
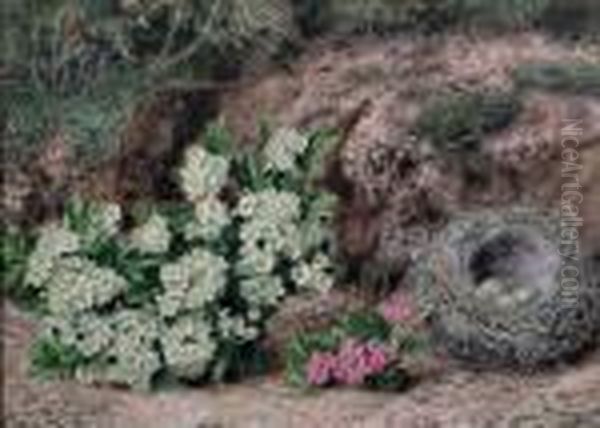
(567, 398)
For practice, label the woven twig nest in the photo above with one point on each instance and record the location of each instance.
(493, 287)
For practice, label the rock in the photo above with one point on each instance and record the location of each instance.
(401, 192)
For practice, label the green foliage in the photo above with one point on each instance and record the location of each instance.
(458, 122)
(578, 78)
(578, 17)
(218, 140)
(504, 14)
(313, 16)
(574, 18)
(302, 346)
(50, 358)
(391, 380)
(83, 90)
(366, 325)
(382, 16)
(80, 67)
(16, 247)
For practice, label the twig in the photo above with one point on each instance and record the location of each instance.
(193, 46)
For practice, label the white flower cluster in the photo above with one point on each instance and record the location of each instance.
(188, 347)
(153, 237)
(203, 173)
(269, 230)
(53, 242)
(268, 233)
(122, 346)
(88, 333)
(283, 149)
(211, 293)
(191, 282)
(270, 204)
(103, 222)
(78, 284)
(211, 217)
(132, 358)
(315, 275)
(262, 291)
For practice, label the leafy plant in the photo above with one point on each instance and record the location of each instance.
(458, 122)
(503, 14)
(52, 359)
(366, 326)
(186, 293)
(358, 350)
(16, 247)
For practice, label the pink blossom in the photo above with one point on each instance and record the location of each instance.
(398, 308)
(356, 361)
(320, 368)
(377, 358)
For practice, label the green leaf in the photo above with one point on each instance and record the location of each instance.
(366, 325)
(50, 358)
(218, 140)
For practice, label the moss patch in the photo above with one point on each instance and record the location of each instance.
(580, 79)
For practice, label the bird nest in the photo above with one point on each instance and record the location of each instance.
(494, 289)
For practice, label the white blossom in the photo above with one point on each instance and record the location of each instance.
(121, 345)
(104, 221)
(262, 291)
(283, 149)
(314, 275)
(78, 284)
(211, 217)
(203, 174)
(152, 237)
(133, 357)
(191, 282)
(53, 242)
(255, 261)
(89, 333)
(268, 230)
(188, 347)
(269, 205)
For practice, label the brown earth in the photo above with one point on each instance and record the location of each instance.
(401, 191)
(568, 397)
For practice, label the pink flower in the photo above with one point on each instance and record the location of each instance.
(350, 368)
(377, 358)
(398, 308)
(320, 368)
(357, 361)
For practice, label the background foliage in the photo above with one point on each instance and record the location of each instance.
(80, 66)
